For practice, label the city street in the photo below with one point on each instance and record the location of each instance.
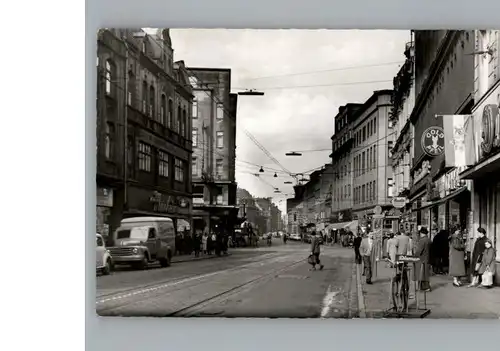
(264, 282)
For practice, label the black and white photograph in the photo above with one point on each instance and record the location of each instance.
(297, 173)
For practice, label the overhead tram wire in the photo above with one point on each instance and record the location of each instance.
(329, 70)
(324, 85)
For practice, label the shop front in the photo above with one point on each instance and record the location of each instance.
(104, 205)
(147, 202)
(484, 171)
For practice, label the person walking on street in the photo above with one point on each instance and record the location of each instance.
(488, 264)
(204, 243)
(392, 248)
(357, 244)
(367, 251)
(476, 258)
(315, 251)
(423, 253)
(403, 244)
(457, 257)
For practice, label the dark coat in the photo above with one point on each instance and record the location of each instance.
(477, 251)
(423, 268)
(488, 260)
(457, 256)
(315, 245)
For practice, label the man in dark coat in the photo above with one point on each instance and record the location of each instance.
(315, 250)
(477, 253)
(357, 244)
(440, 251)
(423, 266)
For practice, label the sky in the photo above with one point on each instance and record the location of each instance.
(306, 75)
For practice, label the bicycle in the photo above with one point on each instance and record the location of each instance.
(400, 287)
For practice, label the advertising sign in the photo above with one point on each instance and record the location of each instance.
(432, 141)
(456, 128)
(399, 202)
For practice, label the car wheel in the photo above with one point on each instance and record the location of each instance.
(144, 263)
(107, 267)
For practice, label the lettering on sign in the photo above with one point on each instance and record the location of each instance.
(407, 258)
(162, 203)
(490, 129)
(399, 202)
(433, 141)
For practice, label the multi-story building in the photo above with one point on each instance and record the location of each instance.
(371, 161)
(293, 214)
(342, 166)
(214, 149)
(143, 129)
(444, 82)
(403, 101)
(248, 208)
(264, 204)
(482, 145)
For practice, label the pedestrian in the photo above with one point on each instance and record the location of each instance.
(488, 265)
(204, 240)
(403, 244)
(423, 253)
(477, 253)
(440, 249)
(367, 251)
(392, 248)
(315, 251)
(457, 257)
(196, 244)
(357, 244)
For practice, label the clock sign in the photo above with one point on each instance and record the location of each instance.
(433, 141)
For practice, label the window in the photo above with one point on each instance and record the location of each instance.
(363, 164)
(193, 81)
(364, 133)
(374, 156)
(218, 167)
(177, 118)
(389, 148)
(194, 166)
(151, 102)
(374, 189)
(144, 48)
(368, 129)
(220, 140)
(183, 123)
(109, 75)
(163, 164)
(220, 111)
(390, 187)
(349, 190)
(109, 141)
(363, 194)
(144, 96)
(131, 88)
(144, 157)
(163, 109)
(195, 137)
(195, 109)
(179, 170)
(170, 121)
(130, 151)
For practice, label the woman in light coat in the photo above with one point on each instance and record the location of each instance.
(488, 260)
(204, 243)
(457, 257)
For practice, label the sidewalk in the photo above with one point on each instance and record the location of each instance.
(188, 258)
(444, 301)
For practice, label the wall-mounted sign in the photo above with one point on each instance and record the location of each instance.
(422, 172)
(399, 202)
(456, 129)
(490, 129)
(104, 197)
(433, 141)
(377, 210)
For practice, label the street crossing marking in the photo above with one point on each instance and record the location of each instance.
(328, 301)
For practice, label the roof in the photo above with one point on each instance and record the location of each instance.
(146, 219)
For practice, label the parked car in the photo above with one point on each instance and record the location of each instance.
(140, 241)
(103, 259)
(294, 237)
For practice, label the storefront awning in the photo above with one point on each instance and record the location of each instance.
(352, 225)
(487, 167)
(442, 200)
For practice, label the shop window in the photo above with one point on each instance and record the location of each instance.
(220, 140)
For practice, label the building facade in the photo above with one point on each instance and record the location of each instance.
(143, 129)
(483, 159)
(444, 82)
(403, 101)
(342, 165)
(214, 149)
(373, 138)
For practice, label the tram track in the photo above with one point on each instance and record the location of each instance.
(193, 308)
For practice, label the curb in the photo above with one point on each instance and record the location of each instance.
(361, 299)
(200, 259)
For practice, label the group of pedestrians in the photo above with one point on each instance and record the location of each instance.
(443, 250)
(217, 243)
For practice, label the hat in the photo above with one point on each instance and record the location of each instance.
(424, 230)
(481, 230)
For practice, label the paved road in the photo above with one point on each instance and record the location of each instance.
(263, 282)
